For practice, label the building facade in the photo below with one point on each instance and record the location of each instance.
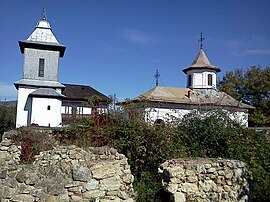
(161, 104)
(42, 99)
(82, 101)
(39, 91)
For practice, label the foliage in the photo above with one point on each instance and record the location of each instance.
(147, 146)
(216, 135)
(251, 86)
(7, 118)
(32, 143)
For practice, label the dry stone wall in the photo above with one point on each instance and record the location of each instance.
(66, 173)
(206, 180)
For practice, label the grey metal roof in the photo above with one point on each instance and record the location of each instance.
(201, 62)
(187, 96)
(42, 38)
(43, 33)
(46, 92)
(38, 83)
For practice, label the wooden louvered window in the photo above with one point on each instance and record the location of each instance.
(41, 67)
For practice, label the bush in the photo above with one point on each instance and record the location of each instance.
(32, 143)
(147, 146)
(7, 118)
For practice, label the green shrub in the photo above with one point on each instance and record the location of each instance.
(146, 146)
(7, 118)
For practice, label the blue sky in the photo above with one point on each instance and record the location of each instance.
(115, 46)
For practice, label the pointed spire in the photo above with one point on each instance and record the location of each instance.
(201, 62)
(43, 32)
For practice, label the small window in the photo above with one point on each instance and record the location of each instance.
(189, 80)
(41, 67)
(210, 79)
(48, 107)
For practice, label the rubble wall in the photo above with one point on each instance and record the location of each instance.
(66, 173)
(205, 180)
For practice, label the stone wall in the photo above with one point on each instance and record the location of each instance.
(206, 180)
(66, 173)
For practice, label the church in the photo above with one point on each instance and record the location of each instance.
(161, 104)
(42, 99)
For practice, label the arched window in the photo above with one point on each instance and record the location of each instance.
(159, 122)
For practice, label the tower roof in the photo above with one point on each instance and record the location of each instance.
(43, 32)
(42, 38)
(201, 62)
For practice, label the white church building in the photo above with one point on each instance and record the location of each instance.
(40, 94)
(201, 95)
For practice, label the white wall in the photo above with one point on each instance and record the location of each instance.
(152, 114)
(34, 110)
(166, 114)
(43, 116)
(23, 106)
(200, 78)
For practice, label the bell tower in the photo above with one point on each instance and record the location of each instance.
(39, 91)
(201, 74)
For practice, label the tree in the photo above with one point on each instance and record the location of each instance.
(7, 118)
(251, 86)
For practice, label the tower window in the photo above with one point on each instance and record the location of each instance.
(189, 80)
(210, 79)
(41, 67)
(48, 107)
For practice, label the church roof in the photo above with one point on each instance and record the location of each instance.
(43, 38)
(46, 92)
(201, 62)
(43, 33)
(81, 92)
(186, 96)
(38, 83)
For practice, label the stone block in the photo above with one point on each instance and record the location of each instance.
(110, 184)
(80, 173)
(92, 194)
(101, 171)
(23, 198)
(92, 184)
(179, 197)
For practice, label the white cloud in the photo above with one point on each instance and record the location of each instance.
(138, 36)
(7, 91)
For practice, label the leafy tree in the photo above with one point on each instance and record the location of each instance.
(7, 118)
(216, 135)
(251, 86)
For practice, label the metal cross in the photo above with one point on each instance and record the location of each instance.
(43, 14)
(157, 75)
(201, 41)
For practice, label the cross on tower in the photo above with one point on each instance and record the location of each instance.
(157, 75)
(201, 41)
(43, 17)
